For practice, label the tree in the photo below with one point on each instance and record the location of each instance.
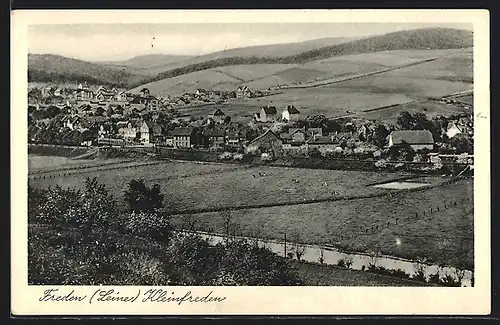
(313, 152)
(227, 120)
(420, 121)
(140, 198)
(462, 145)
(405, 121)
(380, 136)
(406, 151)
(52, 111)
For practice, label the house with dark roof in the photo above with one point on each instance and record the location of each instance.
(417, 139)
(243, 92)
(105, 96)
(218, 116)
(214, 138)
(267, 114)
(183, 137)
(83, 94)
(235, 137)
(267, 142)
(149, 132)
(314, 131)
(290, 113)
(339, 136)
(323, 143)
(121, 96)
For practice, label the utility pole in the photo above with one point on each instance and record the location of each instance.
(285, 244)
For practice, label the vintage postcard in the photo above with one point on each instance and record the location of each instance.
(228, 162)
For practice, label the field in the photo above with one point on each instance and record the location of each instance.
(444, 236)
(444, 76)
(177, 86)
(38, 164)
(430, 108)
(469, 99)
(254, 71)
(456, 67)
(187, 184)
(441, 77)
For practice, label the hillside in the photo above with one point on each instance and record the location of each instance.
(59, 69)
(262, 76)
(261, 51)
(420, 39)
(280, 63)
(148, 61)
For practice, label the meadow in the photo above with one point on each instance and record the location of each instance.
(37, 164)
(188, 185)
(444, 236)
(377, 223)
(431, 108)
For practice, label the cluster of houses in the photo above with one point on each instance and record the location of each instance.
(102, 97)
(301, 140)
(117, 116)
(269, 114)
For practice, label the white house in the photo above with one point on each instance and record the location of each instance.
(290, 113)
(453, 129)
(267, 114)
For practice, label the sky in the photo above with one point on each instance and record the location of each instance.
(115, 42)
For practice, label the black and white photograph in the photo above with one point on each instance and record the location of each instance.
(319, 154)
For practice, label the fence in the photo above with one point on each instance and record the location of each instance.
(90, 169)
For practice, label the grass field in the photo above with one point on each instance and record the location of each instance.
(445, 236)
(179, 85)
(214, 186)
(392, 58)
(428, 107)
(254, 71)
(456, 67)
(48, 163)
(469, 99)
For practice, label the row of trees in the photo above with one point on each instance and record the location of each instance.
(91, 241)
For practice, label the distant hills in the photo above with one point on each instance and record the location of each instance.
(152, 68)
(59, 69)
(148, 61)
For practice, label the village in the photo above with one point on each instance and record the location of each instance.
(85, 116)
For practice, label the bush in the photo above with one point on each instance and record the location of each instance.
(266, 157)
(92, 207)
(345, 261)
(140, 198)
(450, 281)
(254, 151)
(238, 157)
(434, 278)
(381, 163)
(225, 156)
(149, 225)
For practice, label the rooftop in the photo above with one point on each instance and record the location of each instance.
(182, 131)
(412, 137)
